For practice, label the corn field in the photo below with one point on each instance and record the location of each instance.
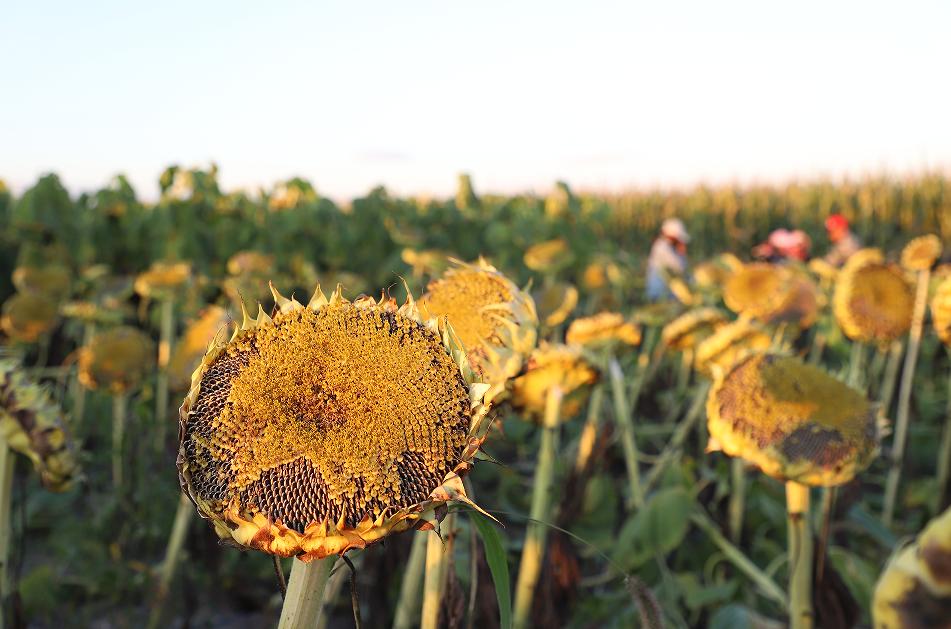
(477, 419)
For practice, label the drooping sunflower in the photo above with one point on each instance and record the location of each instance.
(554, 365)
(250, 262)
(728, 344)
(117, 360)
(692, 327)
(549, 256)
(495, 320)
(914, 590)
(330, 426)
(921, 253)
(556, 302)
(941, 311)
(162, 279)
(872, 302)
(26, 317)
(53, 281)
(760, 290)
(792, 420)
(605, 329)
(33, 425)
(193, 344)
(90, 312)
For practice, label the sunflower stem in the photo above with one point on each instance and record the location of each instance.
(826, 509)
(119, 404)
(800, 556)
(166, 334)
(183, 516)
(7, 462)
(589, 433)
(77, 390)
(436, 552)
(887, 390)
(944, 456)
(856, 363)
(737, 503)
(305, 593)
(408, 606)
(533, 552)
(679, 436)
(904, 399)
(335, 583)
(622, 415)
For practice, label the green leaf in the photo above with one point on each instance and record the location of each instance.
(498, 566)
(658, 527)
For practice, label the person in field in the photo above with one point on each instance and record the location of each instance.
(668, 258)
(844, 242)
(784, 246)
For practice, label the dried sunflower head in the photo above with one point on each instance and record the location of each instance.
(692, 327)
(921, 253)
(116, 360)
(54, 280)
(556, 302)
(250, 262)
(32, 424)
(759, 290)
(26, 317)
(914, 590)
(495, 320)
(941, 311)
(872, 302)
(330, 426)
(548, 257)
(554, 365)
(162, 279)
(728, 344)
(793, 420)
(605, 329)
(191, 347)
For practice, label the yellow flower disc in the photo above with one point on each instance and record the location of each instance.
(728, 344)
(793, 420)
(690, 328)
(54, 281)
(554, 365)
(162, 279)
(556, 303)
(330, 426)
(759, 290)
(28, 316)
(941, 311)
(116, 360)
(33, 425)
(250, 262)
(873, 302)
(604, 329)
(549, 256)
(921, 253)
(495, 320)
(191, 347)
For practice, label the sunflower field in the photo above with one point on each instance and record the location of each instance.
(236, 409)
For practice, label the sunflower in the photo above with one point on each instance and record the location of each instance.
(760, 290)
(941, 310)
(914, 590)
(556, 302)
(89, 312)
(554, 365)
(162, 279)
(53, 281)
(250, 262)
(823, 270)
(605, 329)
(793, 420)
(330, 426)
(710, 275)
(117, 360)
(920, 254)
(193, 344)
(32, 424)
(425, 261)
(872, 302)
(728, 344)
(26, 317)
(692, 327)
(495, 320)
(548, 257)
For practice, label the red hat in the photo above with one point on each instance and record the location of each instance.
(837, 222)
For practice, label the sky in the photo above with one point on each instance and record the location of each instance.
(350, 95)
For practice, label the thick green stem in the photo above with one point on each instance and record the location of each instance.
(887, 390)
(77, 390)
(737, 503)
(800, 556)
(7, 462)
(305, 593)
(166, 338)
(677, 439)
(119, 404)
(336, 582)
(622, 415)
(533, 552)
(944, 456)
(408, 606)
(173, 551)
(904, 400)
(436, 552)
(855, 377)
(735, 556)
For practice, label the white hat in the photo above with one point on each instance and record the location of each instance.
(674, 228)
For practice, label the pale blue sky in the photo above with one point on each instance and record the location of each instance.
(603, 94)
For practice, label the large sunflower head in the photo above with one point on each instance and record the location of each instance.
(728, 344)
(872, 302)
(549, 256)
(495, 320)
(53, 280)
(941, 311)
(193, 344)
(26, 317)
(760, 290)
(793, 420)
(162, 279)
(921, 253)
(689, 329)
(32, 424)
(330, 426)
(553, 365)
(556, 302)
(603, 330)
(116, 360)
